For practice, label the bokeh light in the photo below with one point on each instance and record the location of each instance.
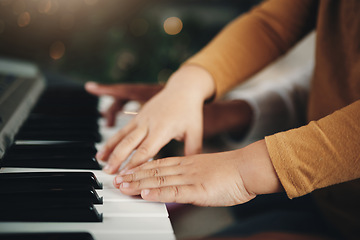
(24, 19)
(173, 25)
(57, 50)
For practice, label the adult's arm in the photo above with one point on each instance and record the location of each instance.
(320, 154)
(277, 95)
(254, 40)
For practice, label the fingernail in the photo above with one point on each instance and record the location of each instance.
(119, 180)
(91, 85)
(125, 185)
(115, 183)
(145, 192)
(107, 169)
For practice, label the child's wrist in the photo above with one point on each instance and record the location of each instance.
(257, 170)
(194, 81)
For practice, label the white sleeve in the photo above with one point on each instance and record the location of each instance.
(277, 95)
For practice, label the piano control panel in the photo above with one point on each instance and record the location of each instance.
(51, 186)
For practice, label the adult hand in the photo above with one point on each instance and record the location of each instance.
(174, 113)
(217, 179)
(219, 116)
(122, 93)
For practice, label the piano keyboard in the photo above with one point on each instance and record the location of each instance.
(51, 187)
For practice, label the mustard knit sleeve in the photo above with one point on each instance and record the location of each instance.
(323, 153)
(255, 39)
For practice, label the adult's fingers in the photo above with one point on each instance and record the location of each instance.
(101, 89)
(193, 141)
(147, 149)
(110, 145)
(141, 92)
(111, 112)
(122, 91)
(126, 146)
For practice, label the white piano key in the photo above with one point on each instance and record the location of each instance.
(132, 236)
(114, 195)
(132, 209)
(111, 225)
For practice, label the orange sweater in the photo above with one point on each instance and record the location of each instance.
(327, 150)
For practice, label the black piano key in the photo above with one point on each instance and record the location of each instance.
(59, 135)
(58, 149)
(66, 110)
(12, 197)
(41, 119)
(53, 162)
(47, 236)
(67, 101)
(60, 126)
(50, 212)
(48, 156)
(67, 95)
(58, 121)
(36, 179)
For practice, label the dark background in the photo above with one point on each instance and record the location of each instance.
(110, 40)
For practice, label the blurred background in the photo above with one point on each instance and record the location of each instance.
(112, 40)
